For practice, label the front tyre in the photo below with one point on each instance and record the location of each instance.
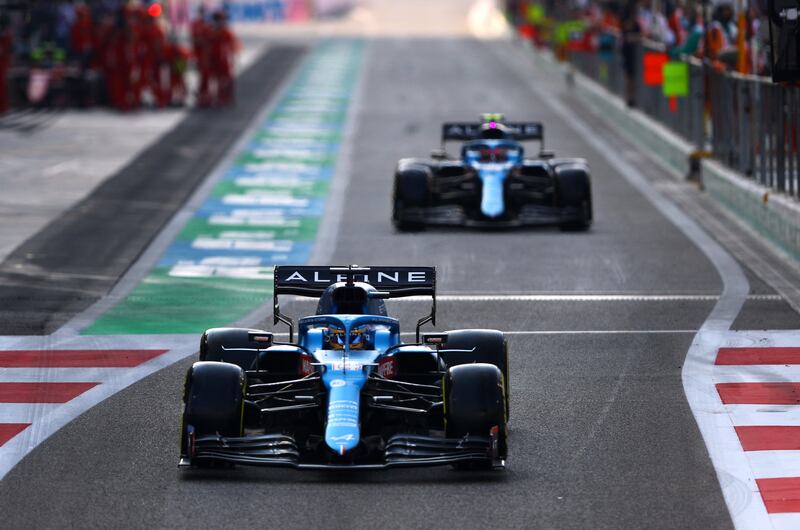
(213, 402)
(474, 397)
(410, 193)
(574, 197)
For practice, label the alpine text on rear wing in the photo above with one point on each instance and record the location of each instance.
(521, 131)
(390, 282)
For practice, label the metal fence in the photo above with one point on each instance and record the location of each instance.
(755, 127)
(750, 124)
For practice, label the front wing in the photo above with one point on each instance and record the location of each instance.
(278, 450)
(528, 215)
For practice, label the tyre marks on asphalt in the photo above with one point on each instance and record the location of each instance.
(757, 380)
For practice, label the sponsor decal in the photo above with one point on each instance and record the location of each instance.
(387, 368)
(249, 244)
(306, 366)
(351, 366)
(336, 383)
(265, 199)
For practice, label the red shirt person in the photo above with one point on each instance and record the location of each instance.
(152, 54)
(6, 52)
(222, 58)
(200, 30)
(118, 62)
(81, 34)
(178, 58)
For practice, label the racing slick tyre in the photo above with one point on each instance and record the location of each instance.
(213, 401)
(410, 191)
(487, 345)
(230, 345)
(575, 192)
(474, 398)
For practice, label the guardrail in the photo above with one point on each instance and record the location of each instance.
(750, 124)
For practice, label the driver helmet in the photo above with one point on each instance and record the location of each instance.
(358, 338)
(494, 154)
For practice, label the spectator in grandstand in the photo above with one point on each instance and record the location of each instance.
(692, 43)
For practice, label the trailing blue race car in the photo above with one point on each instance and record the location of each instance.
(348, 394)
(492, 184)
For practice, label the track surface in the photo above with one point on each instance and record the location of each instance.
(601, 434)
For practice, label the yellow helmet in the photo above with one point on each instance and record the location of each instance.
(358, 338)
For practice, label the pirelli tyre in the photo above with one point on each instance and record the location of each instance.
(574, 192)
(474, 398)
(411, 191)
(479, 346)
(230, 345)
(213, 402)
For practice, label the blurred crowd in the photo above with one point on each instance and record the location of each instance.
(118, 53)
(730, 34)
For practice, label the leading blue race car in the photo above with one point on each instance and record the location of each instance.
(348, 394)
(492, 184)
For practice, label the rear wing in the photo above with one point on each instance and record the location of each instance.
(522, 131)
(390, 282)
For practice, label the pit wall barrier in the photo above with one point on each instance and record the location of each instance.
(773, 216)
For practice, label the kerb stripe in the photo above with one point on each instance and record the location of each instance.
(42, 392)
(759, 393)
(748, 356)
(780, 495)
(10, 430)
(76, 358)
(769, 438)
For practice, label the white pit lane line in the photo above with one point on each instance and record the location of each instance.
(733, 469)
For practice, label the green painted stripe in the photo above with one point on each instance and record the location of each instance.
(318, 188)
(163, 304)
(184, 295)
(305, 231)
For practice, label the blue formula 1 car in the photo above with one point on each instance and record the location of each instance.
(348, 394)
(492, 184)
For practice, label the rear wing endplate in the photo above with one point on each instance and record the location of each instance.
(391, 282)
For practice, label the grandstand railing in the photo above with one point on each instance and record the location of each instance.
(749, 123)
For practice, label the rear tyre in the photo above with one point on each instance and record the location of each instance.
(487, 345)
(474, 404)
(575, 192)
(213, 401)
(410, 191)
(230, 345)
